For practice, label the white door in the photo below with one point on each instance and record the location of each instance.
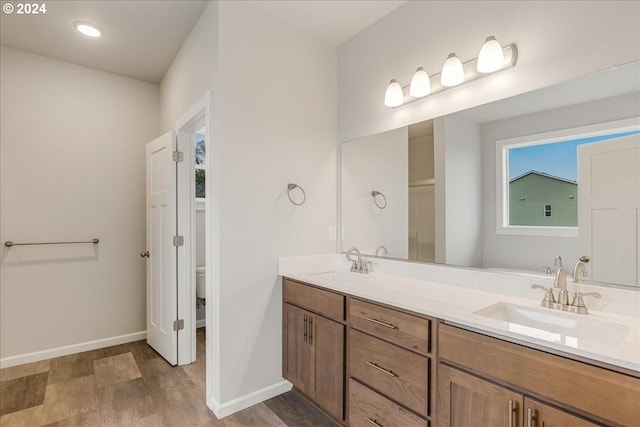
(161, 254)
(609, 209)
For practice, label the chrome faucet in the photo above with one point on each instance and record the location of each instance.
(580, 270)
(380, 249)
(562, 302)
(355, 263)
(561, 282)
(358, 265)
(557, 262)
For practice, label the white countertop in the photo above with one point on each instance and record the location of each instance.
(619, 345)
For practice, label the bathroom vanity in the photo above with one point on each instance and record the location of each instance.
(389, 351)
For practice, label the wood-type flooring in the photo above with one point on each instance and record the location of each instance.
(130, 385)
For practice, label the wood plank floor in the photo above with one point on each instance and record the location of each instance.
(130, 385)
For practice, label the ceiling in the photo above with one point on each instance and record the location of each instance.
(333, 21)
(155, 30)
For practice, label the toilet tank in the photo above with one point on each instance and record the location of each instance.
(200, 282)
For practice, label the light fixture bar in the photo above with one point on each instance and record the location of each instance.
(470, 74)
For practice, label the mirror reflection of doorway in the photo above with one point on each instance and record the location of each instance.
(422, 239)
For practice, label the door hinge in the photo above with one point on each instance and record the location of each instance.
(178, 325)
(178, 240)
(178, 156)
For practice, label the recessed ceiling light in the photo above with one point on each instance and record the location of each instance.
(88, 29)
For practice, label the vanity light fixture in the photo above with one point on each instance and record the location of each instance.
(452, 71)
(491, 59)
(394, 97)
(420, 84)
(88, 29)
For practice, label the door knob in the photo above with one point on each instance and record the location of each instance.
(144, 254)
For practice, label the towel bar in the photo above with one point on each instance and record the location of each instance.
(9, 243)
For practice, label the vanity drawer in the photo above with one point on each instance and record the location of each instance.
(329, 304)
(365, 403)
(403, 329)
(395, 372)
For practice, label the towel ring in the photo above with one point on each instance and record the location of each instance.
(380, 204)
(291, 187)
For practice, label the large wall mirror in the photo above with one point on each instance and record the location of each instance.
(516, 185)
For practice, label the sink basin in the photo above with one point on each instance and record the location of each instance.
(341, 276)
(555, 326)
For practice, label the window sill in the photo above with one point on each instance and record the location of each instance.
(538, 231)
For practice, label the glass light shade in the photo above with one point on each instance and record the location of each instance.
(420, 84)
(491, 57)
(393, 97)
(452, 71)
(88, 29)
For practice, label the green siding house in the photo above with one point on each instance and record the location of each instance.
(540, 199)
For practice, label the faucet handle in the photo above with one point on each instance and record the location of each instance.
(549, 299)
(366, 267)
(578, 304)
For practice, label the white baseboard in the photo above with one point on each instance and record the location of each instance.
(36, 356)
(222, 410)
(201, 323)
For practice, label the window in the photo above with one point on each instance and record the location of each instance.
(200, 164)
(537, 178)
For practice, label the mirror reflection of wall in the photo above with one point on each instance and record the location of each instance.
(379, 164)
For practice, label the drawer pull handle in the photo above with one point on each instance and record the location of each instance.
(372, 422)
(381, 323)
(511, 408)
(530, 417)
(375, 366)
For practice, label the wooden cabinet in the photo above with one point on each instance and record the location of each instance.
(466, 400)
(479, 375)
(390, 366)
(368, 409)
(313, 345)
(538, 414)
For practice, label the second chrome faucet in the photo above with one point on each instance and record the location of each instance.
(562, 301)
(358, 265)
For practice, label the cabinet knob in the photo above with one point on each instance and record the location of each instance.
(144, 254)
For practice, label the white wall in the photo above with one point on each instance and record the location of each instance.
(275, 123)
(556, 41)
(458, 191)
(193, 71)
(72, 167)
(534, 251)
(381, 163)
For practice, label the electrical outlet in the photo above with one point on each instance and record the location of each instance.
(332, 233)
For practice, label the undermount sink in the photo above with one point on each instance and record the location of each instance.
(341, 276)
(555, 326)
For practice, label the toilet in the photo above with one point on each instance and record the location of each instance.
(200, 282)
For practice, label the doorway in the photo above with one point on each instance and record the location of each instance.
(189, 299)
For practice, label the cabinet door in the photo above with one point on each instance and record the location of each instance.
(327, 355)
(537, 414)
(297, 354)
(468, 401)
